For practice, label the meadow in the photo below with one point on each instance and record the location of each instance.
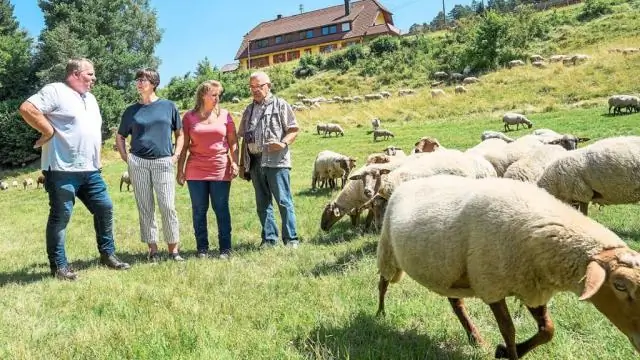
(317, 301)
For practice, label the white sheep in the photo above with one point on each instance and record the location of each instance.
(330, 165)
(502, 156)
(125, 179)
(14, 184)
(531, 166)
(382, 133)
(333, 128)
(515, 119)
(539, 64)
(487, 146)
(496, 238)
(460, 89)
(535, 58)
(4, 185)
(385, 94)
(470, 80)
(377, 158)
(514, 63)
(373, 97)
(437, 93)
(606, 172)
(489, 134)
(404, 92)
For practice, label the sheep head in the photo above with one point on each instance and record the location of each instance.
(426, 144)
(612, 284)
(330, 215)
(371, 180)
(568, 141)
(347, 164)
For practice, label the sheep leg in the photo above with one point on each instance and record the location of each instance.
(382, 288)
(461, 313)
(368, 220)
(508, 331)
(354, 218)
(543, 336)
(583, 207)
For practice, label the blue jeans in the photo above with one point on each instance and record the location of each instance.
(63, 188)
(274, 182)
(200, 192)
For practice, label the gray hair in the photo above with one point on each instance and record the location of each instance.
(262, 76)
(76, 64)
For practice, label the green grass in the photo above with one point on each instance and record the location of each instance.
(317, 302)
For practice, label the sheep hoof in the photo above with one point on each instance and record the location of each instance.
(501, 352)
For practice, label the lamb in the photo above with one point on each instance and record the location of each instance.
(426, 144)
(27, 182)
(460, 89)
(383, 133)
(515, 119)
(333, 128)
(530, 167)
(375, 123)
(321, 128)
(488, 134)
(437, 93)
(435, 230)
(392, 150)
(39, 181)
(125, 179)
(330, 165)
(348, 201)
(606, 172)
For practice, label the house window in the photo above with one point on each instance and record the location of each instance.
(349, 43)
(288, 38)
(292, 55)
(278, 58)
(327, 48)
(307, 51)
(306, 34)
(331, 29)
(259, 62)
(279, 39)
(262, 43)
(346, 27)
(309, 34)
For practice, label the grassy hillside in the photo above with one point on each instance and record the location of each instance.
(319, 301)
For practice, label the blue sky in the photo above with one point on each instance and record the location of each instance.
(195, 29)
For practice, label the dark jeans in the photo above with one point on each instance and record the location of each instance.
(274, 182)
(63, 188)
(200, 192)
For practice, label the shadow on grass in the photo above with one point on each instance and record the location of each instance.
(340, 232)
(368, 337)
(317, 192)
(346, 261)
(628, 234)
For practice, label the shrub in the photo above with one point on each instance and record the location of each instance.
(593, 9)
(384, 44)
(17, 138)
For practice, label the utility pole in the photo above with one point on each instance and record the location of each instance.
(301, 8)
(444, 15)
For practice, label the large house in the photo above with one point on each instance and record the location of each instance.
(319, 31)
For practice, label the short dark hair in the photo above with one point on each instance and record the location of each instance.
(149, 74)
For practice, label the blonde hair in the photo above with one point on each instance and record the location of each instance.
(203, 89)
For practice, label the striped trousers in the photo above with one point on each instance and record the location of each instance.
(149, 176)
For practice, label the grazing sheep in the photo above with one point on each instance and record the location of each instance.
(337, 98)
(488, 134)
(347, 99)
(470, 80)
(426, 144)
(539, 64)
(373, 97)
(467, 238)
(404, 92)
(5, 186)
(392, 150)
(606, 172)
(531, 166)
(331, 165)
(357, 98)
(375, 123)
(515, 119)
(629, 51)
(460, 89)
(348, 201)
(536, 58)
(385, 94)
(439, 75)
(125, 179)
(629, 102)
(27, 182)
(333, 128)
(321, 128)
(437, 83)
(557, 58)
(578, 58)
(14, 184)
(39, 181)
(383, 133)
(437, 93)
(514, 63)
(457, 76)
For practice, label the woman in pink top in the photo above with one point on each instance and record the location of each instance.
(211, 142)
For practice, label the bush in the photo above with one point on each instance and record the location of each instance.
(17, 138)
(593, 9)
(112, 103)
(384, 44)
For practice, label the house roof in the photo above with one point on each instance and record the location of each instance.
(362, 16)
(230, 67)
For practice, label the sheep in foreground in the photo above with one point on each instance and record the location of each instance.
(501, 157)
(383, 133)
(333, 128)
(435, 230)
(606, 172)
(515, 119)
(27, 182)
(125, 179)
(331, 165)
(489, 134)
(531, 166)
(487, 146)
(348, 201)
(426, 144)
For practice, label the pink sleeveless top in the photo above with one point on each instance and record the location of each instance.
(208, 149)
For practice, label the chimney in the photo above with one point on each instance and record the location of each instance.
(278, 17)
(347, 9)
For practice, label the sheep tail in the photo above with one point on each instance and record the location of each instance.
(386, 258)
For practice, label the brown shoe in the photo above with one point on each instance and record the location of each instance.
(65, 273)
(111, 261)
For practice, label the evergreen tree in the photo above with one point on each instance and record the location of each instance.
(15, 55)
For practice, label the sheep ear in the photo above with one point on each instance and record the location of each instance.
(583, 139)
(594, 278)
(355, 177)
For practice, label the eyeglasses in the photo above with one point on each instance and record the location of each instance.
(257, 86)
(141, 80)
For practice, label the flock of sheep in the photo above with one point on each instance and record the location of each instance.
(26, 183)
(305, 103)
(433, 205)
